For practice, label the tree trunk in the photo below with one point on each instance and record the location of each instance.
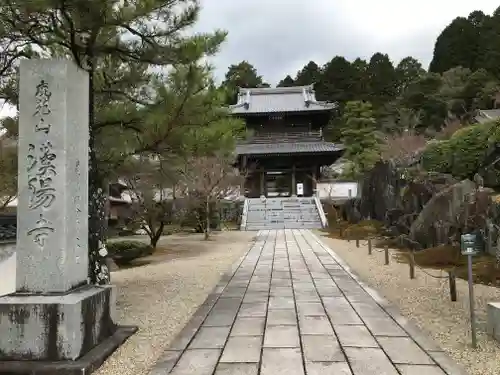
(207, 224)
(98, 270)
(155, 236)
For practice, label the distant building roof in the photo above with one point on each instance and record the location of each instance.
(485, 115)
(280, 99)
(288, 148)
(8, 227)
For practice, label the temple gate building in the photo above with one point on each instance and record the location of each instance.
(283, 156)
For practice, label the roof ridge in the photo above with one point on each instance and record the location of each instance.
(274, 90)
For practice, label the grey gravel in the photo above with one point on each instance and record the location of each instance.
(426, 301)
(160, 298)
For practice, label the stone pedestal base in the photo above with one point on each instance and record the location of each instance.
(493, 311)
(55, 333)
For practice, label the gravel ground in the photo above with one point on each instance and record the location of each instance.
(427, 302)
(160, 298)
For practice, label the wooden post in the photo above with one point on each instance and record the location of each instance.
(386, 253)
(369, 246)
(357, 242)
(412, 265)
(453, 285)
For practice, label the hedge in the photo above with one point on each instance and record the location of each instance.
(123, 252)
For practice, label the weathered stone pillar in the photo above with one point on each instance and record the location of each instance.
(54, 314)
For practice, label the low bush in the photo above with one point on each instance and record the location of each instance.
(124, 252)
(363, 230)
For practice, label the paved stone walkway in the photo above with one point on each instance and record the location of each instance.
(292, 307)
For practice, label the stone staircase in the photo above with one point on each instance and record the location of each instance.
(282, 213)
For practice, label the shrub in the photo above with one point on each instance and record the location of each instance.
(123, 252)
(437, 157)
(464, 153)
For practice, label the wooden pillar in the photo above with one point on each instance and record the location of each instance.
(314, 178)
(294, 181)
(262, 186)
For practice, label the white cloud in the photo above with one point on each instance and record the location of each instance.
(280, 36)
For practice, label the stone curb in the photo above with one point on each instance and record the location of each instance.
(438, 355)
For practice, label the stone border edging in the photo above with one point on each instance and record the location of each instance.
(166, 362)
(437, 354)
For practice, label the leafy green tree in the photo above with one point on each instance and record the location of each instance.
(422, 97)
(241, 75)
(309, 74)
(458, 45)
(286, 82)
(382, 80)
(359, 135)
(336, 81)
(118, 42)
(408, 71)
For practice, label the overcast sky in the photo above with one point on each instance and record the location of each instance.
(280, 36)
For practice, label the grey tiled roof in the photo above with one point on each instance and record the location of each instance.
(280, 99)
(486, 115)
(287, 148)
(8, 227)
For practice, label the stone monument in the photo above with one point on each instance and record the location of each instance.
(55, 322)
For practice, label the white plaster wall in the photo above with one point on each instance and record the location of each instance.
(7, 268)
(337, 189)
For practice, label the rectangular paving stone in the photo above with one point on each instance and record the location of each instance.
(420, 370)
(282, 317)
(197, 362)
(315, 325)
(234, 292)
(281, 361)
(166, 362)
(328, 368)
(252, 297)
(404, 350)
(310, 308)
(220, 319)
(237, 369)
(354, 335)
(322, 348)
(369, 361)
(248, 326)
(253, 309)
(307, 297)
(242, 349)
(368, 309)
(281, 303)
(281, 337)
(383, 327)
(210, 338)
(282, 291)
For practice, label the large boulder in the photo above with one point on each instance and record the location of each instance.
(388, 196)
(457, 209)
(380, 191)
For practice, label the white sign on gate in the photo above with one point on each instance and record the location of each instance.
(300, 189)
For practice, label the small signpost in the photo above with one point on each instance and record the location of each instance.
(468, 246)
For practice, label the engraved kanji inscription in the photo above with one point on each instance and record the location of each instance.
(42, 109)
(41, 170)
(41, 231)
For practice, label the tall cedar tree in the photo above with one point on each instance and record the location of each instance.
(118, 42)
(360, 137)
